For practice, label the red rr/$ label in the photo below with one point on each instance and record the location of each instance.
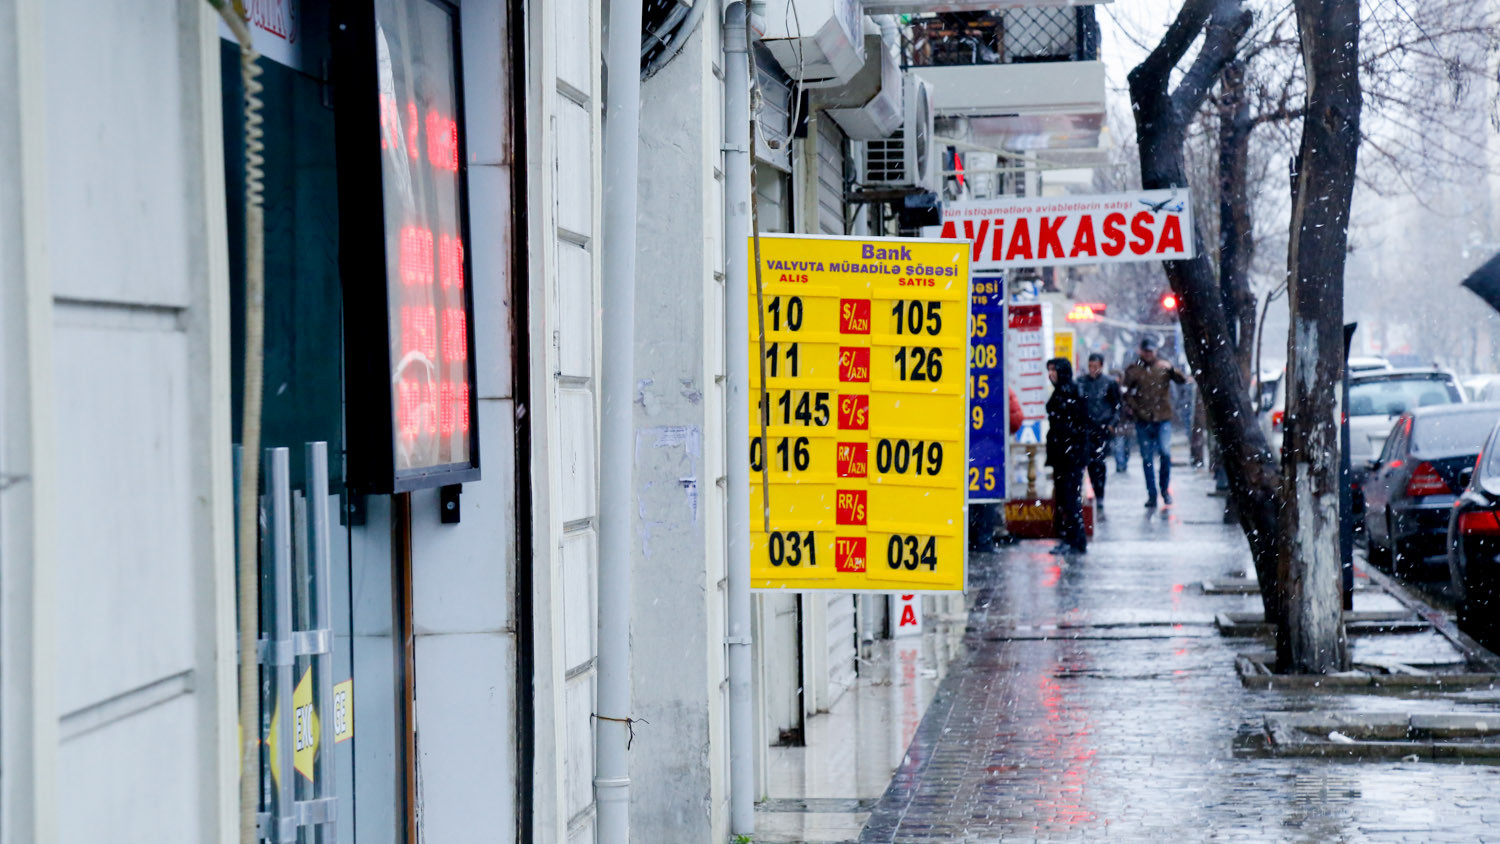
(850, 506)
(849, 554)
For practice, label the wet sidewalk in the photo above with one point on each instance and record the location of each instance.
(1095, 699)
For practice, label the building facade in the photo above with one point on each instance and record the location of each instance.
(427, 646)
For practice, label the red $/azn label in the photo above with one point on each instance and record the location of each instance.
(853, 460)
(854, 364)
(854, 413)
(849, 507)
(854, 316)
(849, 554)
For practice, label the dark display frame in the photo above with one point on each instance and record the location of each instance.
(369, 393)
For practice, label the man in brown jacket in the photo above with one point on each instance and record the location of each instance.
(1148, 394)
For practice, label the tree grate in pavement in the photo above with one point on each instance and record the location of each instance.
(831, 805)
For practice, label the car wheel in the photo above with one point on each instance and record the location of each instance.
(1397, 553)
(1378, 555)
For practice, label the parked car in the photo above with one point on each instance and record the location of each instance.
(1270, 405)
(1484, 387)
(1368, 364)
(1474, 545)
(1376, 397)
(1411, 486)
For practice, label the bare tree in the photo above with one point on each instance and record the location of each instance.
(1322, 194)
(1162, 116)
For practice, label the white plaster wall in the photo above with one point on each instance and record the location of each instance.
(121, 204)
(679, 786)
(463, 575)
(564, 160)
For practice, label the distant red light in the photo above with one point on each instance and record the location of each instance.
(1169, 301)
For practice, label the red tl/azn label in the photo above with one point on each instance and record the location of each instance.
(849, 554)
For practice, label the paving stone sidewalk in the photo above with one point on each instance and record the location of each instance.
(1096, 701)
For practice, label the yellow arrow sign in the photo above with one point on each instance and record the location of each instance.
(305, 727)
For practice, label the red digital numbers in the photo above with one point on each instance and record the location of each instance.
(451, 262)
(455, 334)
(424, 409)
(406, 135)
(416, 257)
(419, 331)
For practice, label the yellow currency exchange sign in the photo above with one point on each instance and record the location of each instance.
(866, 414)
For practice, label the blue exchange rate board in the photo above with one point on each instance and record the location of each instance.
(988, 431)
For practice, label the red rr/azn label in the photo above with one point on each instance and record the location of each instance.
(853, 460)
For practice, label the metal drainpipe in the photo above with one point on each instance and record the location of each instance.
(736, 327)
(617, 423)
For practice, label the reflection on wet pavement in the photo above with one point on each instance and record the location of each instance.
(1095, 701)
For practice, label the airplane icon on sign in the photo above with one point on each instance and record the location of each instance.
(1156, 207)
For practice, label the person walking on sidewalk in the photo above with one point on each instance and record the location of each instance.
(1067, 454)
(1124, 432)
(1102, 394)
(1148, 394)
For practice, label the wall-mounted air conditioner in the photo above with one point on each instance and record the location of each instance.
(817, 42)
(869, 107)
(909, 158)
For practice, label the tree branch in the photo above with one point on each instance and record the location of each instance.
(1151, 75)
(1226, 27)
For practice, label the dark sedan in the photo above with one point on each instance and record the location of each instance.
(1474, 546)
(1412, 485)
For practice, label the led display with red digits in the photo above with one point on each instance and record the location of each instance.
(427, 297)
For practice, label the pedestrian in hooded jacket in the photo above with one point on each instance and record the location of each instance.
(1067, 454)
(1103, 396)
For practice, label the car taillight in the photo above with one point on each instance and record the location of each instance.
(1426, 481)
(1479, 523)
(1276, 417)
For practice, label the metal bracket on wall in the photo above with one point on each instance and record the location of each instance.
(448, 509)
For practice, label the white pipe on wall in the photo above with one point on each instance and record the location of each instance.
(617, 422)
(737, 166)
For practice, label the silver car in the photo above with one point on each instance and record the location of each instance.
(1376, 399)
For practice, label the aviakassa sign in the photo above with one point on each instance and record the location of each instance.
(1155, 225)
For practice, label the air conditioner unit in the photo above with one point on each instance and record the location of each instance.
(869, 107)
(909, 158)
(819, 43)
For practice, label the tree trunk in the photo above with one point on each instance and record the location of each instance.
(1161, 120)
(1322, 193)
(1236, 229)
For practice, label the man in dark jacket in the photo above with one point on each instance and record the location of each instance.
(1103, 396)
(1148, 393)
(1067, 454)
